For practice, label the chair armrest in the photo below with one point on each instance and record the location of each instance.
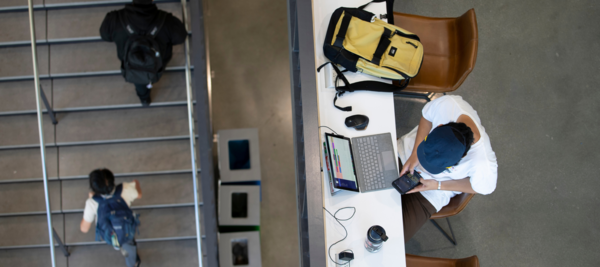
(472, 261)
(456, 205)
(467, 44)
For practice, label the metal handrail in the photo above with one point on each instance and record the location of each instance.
(102, 142)
(82, 177)
(72, 40)
(190, 105)
(76, 5)
(144, 207)
(36, 79)
(97, 108)
(78, 74)
(91, 243)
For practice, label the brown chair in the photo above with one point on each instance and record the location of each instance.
(419, 261)
(450, 52)
(456, 205)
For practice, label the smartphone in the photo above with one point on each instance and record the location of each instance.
(407, 182)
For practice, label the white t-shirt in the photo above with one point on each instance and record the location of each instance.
(479, 164)
(128, 194)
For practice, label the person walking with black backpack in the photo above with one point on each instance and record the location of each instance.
(108, 205)
(144, 36)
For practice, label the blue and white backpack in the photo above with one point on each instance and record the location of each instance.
(117, 224)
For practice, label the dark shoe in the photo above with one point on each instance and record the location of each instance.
(145, 102)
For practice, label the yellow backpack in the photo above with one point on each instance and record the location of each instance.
(360, 42)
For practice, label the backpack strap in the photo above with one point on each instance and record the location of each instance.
(364, 85)
(155, 28)
(118, 190)
(384, 42)
(117, 193)
(125, 23)
(158, 23)
(374, 1)
(98, 198)
(341, 35)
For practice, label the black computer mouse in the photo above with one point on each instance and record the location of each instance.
(358, 122)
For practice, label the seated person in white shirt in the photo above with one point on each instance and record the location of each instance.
(454, 157)
(102, 182)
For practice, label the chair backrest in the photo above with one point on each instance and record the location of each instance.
(420, 261)
(450, 48)
(456, 205)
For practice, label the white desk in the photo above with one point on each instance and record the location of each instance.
(375, 208)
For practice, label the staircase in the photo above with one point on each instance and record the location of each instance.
(101, 123)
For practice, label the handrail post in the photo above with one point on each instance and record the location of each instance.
(36, 80)
(191, 120)
(48, 107)
(61, 245)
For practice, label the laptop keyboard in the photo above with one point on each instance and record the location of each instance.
(372, 166)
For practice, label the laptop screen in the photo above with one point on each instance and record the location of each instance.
(341, 162)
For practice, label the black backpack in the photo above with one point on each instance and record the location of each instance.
(142, 62)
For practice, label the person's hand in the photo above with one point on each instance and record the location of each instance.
(411, 163)
(425, 185)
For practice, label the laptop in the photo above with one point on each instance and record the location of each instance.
(361, 164)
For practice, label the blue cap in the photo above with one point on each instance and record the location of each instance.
(440, 150)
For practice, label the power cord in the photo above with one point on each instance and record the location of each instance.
(346, 231)
(329, 129)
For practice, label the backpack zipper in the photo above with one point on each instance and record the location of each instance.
(412, 44)
(156, 53)
(410, 36)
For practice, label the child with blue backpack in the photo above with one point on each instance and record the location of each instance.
(108, 206)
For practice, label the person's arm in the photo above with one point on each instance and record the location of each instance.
(106, 29)
(461, 185)
(413, 161)
(138, 188)
(177, 31)
(85, 226)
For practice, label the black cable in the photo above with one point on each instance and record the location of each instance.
(346, 231)
(329, 129)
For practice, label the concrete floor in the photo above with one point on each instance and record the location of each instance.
(251, 89)
(534, 87)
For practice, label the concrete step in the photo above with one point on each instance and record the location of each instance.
(85, 22)
(28, 230)
(31, 257)
(94, 56)
(18, 96)
(122, 124)
(29, 197)
(154, 223)
(152, 254)
(125, 158)
(17, 61)
(113, 90)
(15, 25)
(156, 190)
(20, 164)
(23, 129)
(7, 3)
